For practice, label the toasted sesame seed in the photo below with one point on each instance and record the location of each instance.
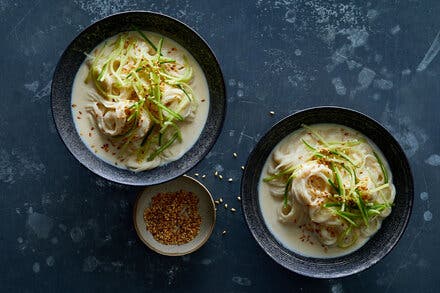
(233, 210)
(216, 173)
(224, 232)
(272, 113)
(220, 200)
(204, 176)
(220, 176)
(238, 197)
(196, 174)
(217, 202)
(242, 167)
(230, 179)
(234, 155)
(226, 205)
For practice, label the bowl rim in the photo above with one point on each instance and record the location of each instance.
(247, 206)
(215, 136)
(208, 235)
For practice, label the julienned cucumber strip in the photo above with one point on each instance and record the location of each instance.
(382, 167)
(163, 147)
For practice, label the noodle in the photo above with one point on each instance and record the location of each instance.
(334, 185)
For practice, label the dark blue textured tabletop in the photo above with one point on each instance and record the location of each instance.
(64, 229)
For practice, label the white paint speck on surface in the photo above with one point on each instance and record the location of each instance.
(395, 30)
(378, 58)
(357, 36)
(242, 281)
(383, 84)
(36, 267)
(240, 84)
(298, 52)
(290, 16)
(337, 288)
(218, 168)
(430, 54)
(240, 93)
(40, 224)
(54, 240)
(32, 86)
(186, 258)
(427, 216)
(62, 227)
(101, 8)
(339, 86)
(77, 234)
(232, 82)
(90, 264)
(20, 240)
(406, 71)
(171, 274)
(206, 261)
(50, 261)
(424, 195)
(433, 160)
(42, 93)
(372, 14)
(366, 77)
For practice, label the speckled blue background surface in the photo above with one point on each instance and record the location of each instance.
(64, 229)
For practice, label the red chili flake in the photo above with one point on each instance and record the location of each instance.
(80, 113)
(203, 100)
(105, 147)
(78, 117)
(92, 128)
(73, 105)
(90, 135)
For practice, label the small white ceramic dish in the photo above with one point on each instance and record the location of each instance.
(206, 210)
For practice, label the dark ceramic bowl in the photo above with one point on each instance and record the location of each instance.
(392, 227)
(86, 41)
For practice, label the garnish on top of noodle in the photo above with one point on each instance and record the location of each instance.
(345, 192)
(142, 96)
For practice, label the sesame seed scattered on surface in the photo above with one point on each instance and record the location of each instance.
(233, 210)
(220, 176)
(242, 167)
(220, 200)
(234, 155)
(216, 173)
(204, 176)
(224, 232)
(230, 179)
(216, 202)
(196, 174)
(272, 113)
(226, 205)
(238, 197)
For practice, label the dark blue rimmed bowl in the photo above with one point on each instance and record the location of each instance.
(392, 227)
(86, 41)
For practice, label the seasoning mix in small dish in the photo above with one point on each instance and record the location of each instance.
(173, 217)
